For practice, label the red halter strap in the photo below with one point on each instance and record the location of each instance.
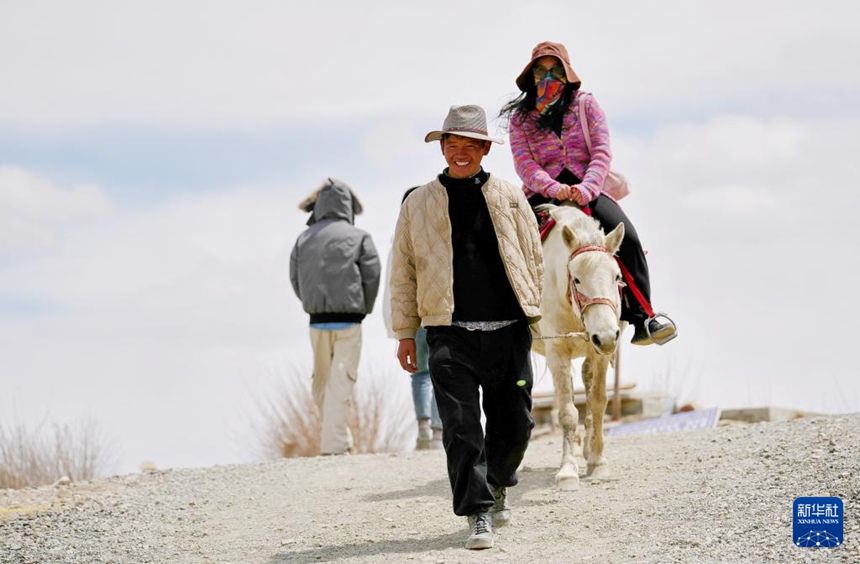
(583, 301)
(588, 248)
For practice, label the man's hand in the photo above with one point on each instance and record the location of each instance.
(406, 355)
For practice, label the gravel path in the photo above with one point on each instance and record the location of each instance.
(723, 495)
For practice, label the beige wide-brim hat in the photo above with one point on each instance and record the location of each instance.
(465, 121)
(547, 49)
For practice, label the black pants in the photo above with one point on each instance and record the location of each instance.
(606, 211)
(497, 362)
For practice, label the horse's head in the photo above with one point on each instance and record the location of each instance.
(595, 283)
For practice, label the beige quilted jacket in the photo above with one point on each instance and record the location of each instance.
(421, 282)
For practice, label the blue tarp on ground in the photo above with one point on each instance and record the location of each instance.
(687, 421)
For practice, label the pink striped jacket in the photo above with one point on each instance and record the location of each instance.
(540, 155)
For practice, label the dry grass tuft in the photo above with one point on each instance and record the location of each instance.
(289, 422)
(42, 455)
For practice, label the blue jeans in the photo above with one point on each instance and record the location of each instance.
(422, 387)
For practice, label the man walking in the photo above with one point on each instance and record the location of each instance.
(467, 265)
(334, 270)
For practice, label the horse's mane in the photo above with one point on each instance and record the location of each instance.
(586, 228)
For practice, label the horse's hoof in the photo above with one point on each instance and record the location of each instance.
(599, 472)
(569, 484)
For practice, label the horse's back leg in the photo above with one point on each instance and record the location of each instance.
(567, 477)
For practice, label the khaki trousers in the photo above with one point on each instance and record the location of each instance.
(336, 356)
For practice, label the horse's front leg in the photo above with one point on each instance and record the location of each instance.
(594, 371)
(589, 418)
(559, 364)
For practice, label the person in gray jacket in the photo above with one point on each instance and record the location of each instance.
(334, 270)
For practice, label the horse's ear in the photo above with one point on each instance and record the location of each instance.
(568, 237)
(613, 240)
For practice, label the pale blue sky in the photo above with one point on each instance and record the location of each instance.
(152, 156)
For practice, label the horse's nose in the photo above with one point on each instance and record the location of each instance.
(605, 345)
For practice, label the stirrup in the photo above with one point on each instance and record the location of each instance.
(667, 338)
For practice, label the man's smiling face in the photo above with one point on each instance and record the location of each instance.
(463, 155)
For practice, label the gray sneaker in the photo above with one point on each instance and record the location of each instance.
(499, 512)
(480, 531)
(425, 435)
(436, 441)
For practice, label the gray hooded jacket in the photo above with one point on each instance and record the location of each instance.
(334, 266)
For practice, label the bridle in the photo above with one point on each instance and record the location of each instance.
(583, 301)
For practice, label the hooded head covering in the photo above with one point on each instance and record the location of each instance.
(333, 199)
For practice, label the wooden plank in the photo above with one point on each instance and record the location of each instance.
(759, 414)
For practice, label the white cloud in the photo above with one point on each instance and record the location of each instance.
(34, 212)
(198, 255)
(769, 161)
(735, 145)
(266, 62)
(732, 201)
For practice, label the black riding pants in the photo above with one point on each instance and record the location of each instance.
(498, 363)
(606, 211)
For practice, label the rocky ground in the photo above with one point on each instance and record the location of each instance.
(722, 495)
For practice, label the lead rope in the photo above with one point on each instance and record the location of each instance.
(564, 336)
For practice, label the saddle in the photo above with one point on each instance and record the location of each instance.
(546, 223)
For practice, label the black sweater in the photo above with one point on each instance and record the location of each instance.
(482, 291)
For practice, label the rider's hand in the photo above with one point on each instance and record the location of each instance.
(578, 196)
(406, 355)
(563, 193)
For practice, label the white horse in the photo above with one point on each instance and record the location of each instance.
(581, 307)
